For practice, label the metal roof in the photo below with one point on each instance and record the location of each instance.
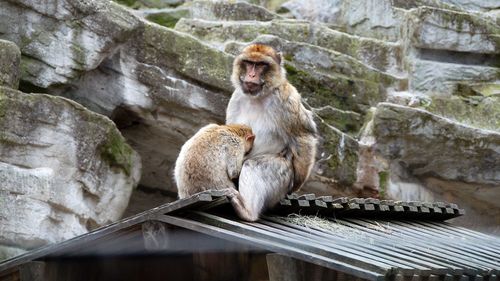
(366, 238)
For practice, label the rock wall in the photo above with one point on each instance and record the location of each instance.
(405, 93)
(64, 170)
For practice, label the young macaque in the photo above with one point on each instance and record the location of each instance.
(212, 158)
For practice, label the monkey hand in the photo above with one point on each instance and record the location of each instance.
(230, 193)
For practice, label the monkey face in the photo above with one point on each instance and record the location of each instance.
(252, 78)
(257, 70)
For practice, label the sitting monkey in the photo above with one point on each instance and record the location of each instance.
(264, 100)
(212, 158)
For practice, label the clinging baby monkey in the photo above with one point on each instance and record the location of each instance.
(212, 158)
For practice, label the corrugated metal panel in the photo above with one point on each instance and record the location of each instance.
(373, 249)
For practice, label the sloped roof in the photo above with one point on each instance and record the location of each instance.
(367, 238)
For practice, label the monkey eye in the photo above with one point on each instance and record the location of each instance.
(248, 62)
(258, 63)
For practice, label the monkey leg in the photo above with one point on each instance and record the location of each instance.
(264, 181)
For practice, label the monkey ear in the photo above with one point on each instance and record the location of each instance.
(250, 137)
(279, 56)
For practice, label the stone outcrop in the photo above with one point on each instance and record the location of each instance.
(427, 144)
(146, 69)
(434, 158)
(10, 59)
(384, 56)
(60, 41)
(372, 18)
(166, 87)
(391, 84)
(64, 170)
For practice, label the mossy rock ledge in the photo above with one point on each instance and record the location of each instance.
(64, 170)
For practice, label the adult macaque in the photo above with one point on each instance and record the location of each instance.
(264, 100)
(212, 158)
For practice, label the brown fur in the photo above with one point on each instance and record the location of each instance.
(212, 158)
(274, 77)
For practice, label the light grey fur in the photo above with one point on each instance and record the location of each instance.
(264, 181)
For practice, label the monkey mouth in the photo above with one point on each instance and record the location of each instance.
(252, 88)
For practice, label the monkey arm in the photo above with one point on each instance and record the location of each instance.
(234, 162)
(303, 145)
(304, 154)
(232, 110)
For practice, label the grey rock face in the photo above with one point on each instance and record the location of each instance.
(372, 18)
(384, 56)
(64, 169)
(159, 85)
(10, 58)
(427, 144)
(148, 79)
(440, 29)
(61, 41)
(217, 10)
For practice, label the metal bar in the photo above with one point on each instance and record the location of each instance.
(452, 247)
(416, 232)
(405, 246)
(485, 249)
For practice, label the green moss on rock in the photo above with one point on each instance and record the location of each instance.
(187, 55)
(128, 3)
(337, 91)
(347, 121)
(343, 154)
(117, 152)
(383, 181)
(475, 105)
(168, 19)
